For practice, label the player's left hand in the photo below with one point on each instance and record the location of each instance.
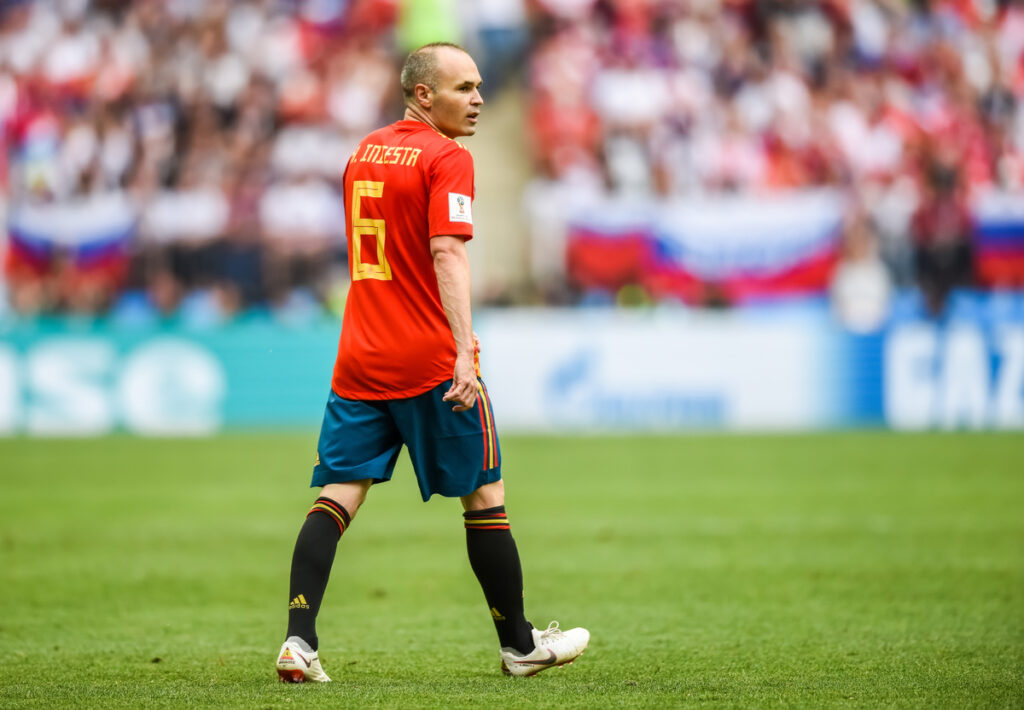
(464, 385)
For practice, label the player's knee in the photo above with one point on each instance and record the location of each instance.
(350, 494)
(488, 495)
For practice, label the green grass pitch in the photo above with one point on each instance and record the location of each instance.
(837, 570)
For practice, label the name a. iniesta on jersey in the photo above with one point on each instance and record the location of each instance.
(389, 154)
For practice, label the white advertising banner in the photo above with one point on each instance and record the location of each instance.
(607, 370)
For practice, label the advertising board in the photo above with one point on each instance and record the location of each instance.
(598, 370)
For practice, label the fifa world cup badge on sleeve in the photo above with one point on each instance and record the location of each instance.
(460, 208)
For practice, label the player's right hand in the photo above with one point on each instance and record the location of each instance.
(464, 385)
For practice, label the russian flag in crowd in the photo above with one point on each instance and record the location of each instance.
(728, 249)
(999, 240)
(93, 232)
(611, 246)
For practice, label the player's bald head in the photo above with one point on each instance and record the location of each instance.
(423, 66)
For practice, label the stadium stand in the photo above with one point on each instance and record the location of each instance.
(908, 114)
(183, 157)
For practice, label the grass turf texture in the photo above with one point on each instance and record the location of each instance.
(849, 570)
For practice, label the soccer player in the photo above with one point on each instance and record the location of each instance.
(407, 370)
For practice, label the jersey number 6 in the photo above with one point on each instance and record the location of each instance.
(363, 226)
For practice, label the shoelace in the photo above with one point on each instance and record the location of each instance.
(551, 632)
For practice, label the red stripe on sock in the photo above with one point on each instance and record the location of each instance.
(337, 521)
(336, 507)
(336, 517)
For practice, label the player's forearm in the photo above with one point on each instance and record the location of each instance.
(453, 281)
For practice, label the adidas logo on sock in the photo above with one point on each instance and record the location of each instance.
(298, 602)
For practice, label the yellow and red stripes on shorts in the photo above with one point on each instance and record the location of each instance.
(491, 457)
(486, 520)
(333, 509)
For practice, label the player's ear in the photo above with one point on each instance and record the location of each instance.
(424, 96)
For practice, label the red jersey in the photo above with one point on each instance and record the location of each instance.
(404, 184)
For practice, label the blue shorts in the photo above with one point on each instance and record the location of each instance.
(453, 453)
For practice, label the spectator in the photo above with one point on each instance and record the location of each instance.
(942, 229)
(301, 219)
(861, 285)
(500, 40)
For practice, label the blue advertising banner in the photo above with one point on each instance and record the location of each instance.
(63, 378)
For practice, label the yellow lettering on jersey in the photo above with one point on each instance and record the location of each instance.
(367, 226)
(389, 154)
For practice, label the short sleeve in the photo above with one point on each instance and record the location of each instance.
(451, 193)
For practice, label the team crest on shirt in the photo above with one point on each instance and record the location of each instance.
(460, 208)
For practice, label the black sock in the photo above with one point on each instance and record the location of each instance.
(495, 561)
(311, 566)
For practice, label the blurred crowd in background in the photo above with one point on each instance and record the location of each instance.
(910, 109)
(175, 157)
(184, 154)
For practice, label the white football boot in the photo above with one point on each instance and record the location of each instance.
(299, 663)
(553, 647)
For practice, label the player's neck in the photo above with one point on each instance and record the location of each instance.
(413, 114)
